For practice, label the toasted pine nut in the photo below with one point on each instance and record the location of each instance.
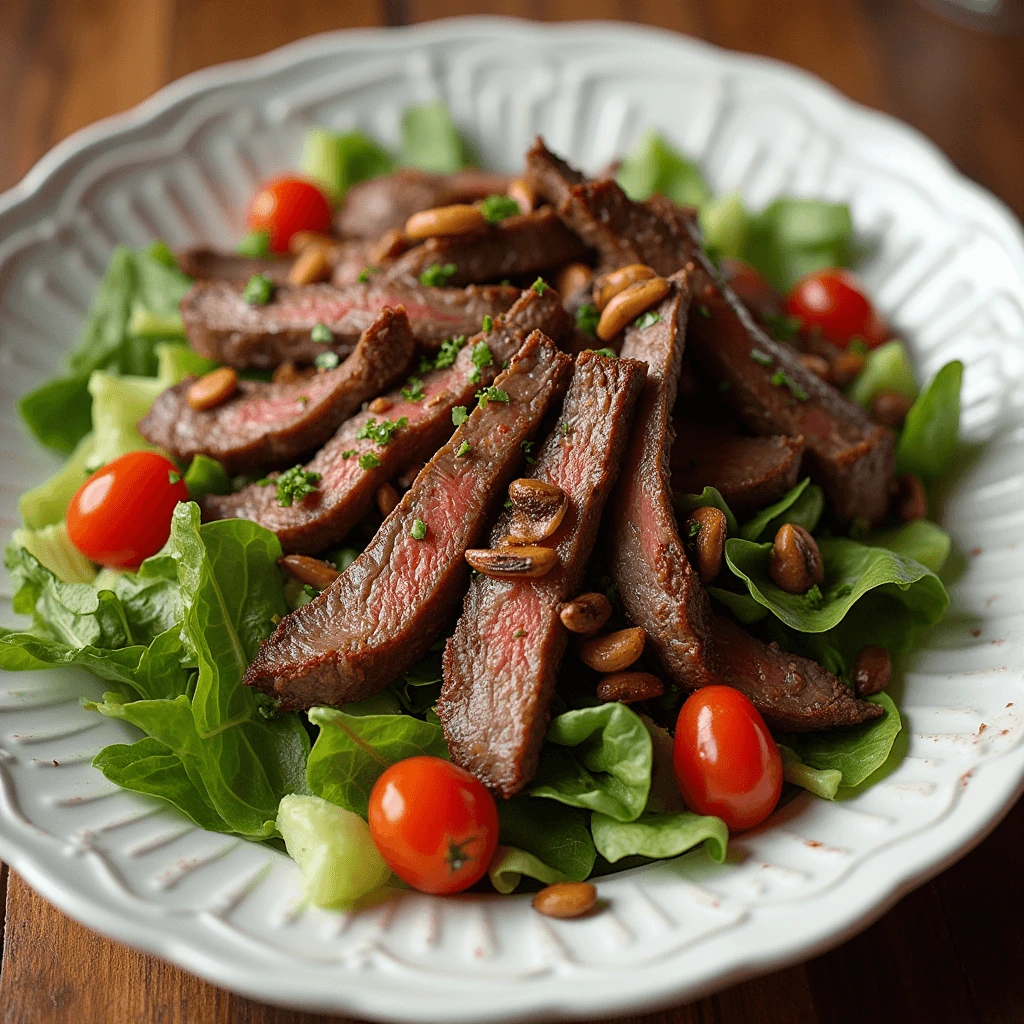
(523, 193)
(538, 510)
(818, 365)
(585, 613)
(213, 389)
(310, 267)
(607, 286)
(890, 408)
(391, 244)
(709, 541)
(911, 501)
(524, 562)
(795, 564)
(573, 277)
(387, 499)
(304, 239)
(444, 220)
(871, 671)
(846, 368)
(614, 651)
(565, 899)
(625, 307)
(629, 687)
(380, 404)
(313, 571)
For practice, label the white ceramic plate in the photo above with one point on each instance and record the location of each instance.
(947, 267)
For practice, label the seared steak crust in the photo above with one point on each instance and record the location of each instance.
(267, 425)
(383, 613)
(501, 665)
(205, 264)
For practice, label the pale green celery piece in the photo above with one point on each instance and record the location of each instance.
(724, 223)
(888, 368)
(509, 865)
(333, 847)
(52, 546)
(144, 323)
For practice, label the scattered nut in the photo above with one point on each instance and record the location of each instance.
(614, 651)
(285, 373)
(910, 501)
(456, 219)
(625, 307)
(389, 246)
(304, 239)
(818, 365)
(846, 368)
(573, 277)
(585, 613)
(379, 405)
(538, 509)
(523, 193)
(387, 499)
(213, 389)
(795, 564)
(525, 562)
(565, 899)
(629, 687)
(871, 671)
(708, 542)
(607, 286)
(890, 408)
(310, 267)
(313, 571)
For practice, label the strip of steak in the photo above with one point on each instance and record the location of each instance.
(222, 326)
(347, 491)
(531, 243)
(749, 472)
(382, 614)
(267, 425)
(501, 665)
(375, 206)
(204, 264)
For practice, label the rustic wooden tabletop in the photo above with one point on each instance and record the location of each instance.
(951, 951)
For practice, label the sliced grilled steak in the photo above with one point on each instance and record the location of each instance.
(792, 693)
(205, 264)
(221, 325)
(347, 491)
(532, 243)
(501, 665)
(267, 425)
(749, 472)
(659, 588)
(375, 206)
(387, 608)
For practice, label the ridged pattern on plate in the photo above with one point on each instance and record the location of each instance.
(946, 264)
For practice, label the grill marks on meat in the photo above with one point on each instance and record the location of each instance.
(498, 682)
(531, 243)
(346, 491)
(268, 425)
(222, 326)
(385, 610)
(749, 472)
(659, 588)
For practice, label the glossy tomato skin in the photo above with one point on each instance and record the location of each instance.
(122, 514)
(726, 761)
(286, 205)
(434, 824)
(834, 303)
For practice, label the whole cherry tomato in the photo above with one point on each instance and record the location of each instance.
(833, 302)
(434, 824)
(725, 759)
(287, 205)
(122, 514)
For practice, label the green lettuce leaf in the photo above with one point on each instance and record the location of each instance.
(655, 166)
(555, 835)
(928, 440)
(509, 865)
(724, 225)
(338, 160)
(206, 476)
(659, 835)
(431, 141)
(803, 505)
(823, 782)
(52, 546)
(921, 540)
(887, 368)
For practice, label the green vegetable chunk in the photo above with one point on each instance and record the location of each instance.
(321, 334)
(338, 160)
(659, 835)
(886, 368)
(724, 225)
(654, 166)
(255, 245)
(259, 290)
(509, 865)
(431, 141)
(495, 209)
(928, 440)
(555, 834)
(55, 552)
(823, 782)
(206, 476)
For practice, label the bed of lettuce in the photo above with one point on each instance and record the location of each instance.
(171, 642)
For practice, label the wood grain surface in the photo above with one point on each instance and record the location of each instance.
(951, 951)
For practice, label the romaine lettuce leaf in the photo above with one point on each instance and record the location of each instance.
(52, 546)
(432, 142)
(659, 835)
(928, 440)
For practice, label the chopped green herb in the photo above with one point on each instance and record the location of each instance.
(704, 311)
(294, 484)
(173, 477)
(724, 385)
(814, 597)
(436, 275)
(381, 432)
(459, 415)
(418, 530)
(264, 481)
(508, 503)
(519, 633)
(762, 358)
(348, 453)
(608, 353)
(695, 528)
(368, 461)
(303, 400)
(364, 274)
(413, 391)
(782, 379)
(781, 326)
(327, 360)
(491, 394)
(450, 348)
(321, 334)
(464, 449)
(645, 320)
(565, 429)
(426, 365)
(487, 323)
(858, 346)
(540, 286)
(504, 364)
(497, 208)
(256, 245)
(527, 446)
(587, 318)
(481, 357)
(259, 290)
(310, 591)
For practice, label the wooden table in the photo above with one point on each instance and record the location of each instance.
(953, 950)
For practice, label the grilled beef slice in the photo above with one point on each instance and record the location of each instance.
(221, 325)
(501, 665)
(749, 472)
(347, 491)
(532, 243)
(267, 425)
(383, 613)
(375, 206)
(204, 264)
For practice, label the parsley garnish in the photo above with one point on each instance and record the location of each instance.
(418, 530)
(413, 392)
(814, 597)
(782, 327)
(487, 323)
(782, 379)
(364, 274)
(519, 633)
(310, 591)
(464, 449)
(327, 360)
(565, 429)
(450, 348)
(481, 357)
(695, 528)
(294, 484)
(173, 477)
(259, 290)
(459, 415)
(540, 286)
(704, 311)
(437, 275)
(302, 400)
(381, 432)
(321, 334)
(497, 208)
(587, 318)
(256, 245)
(608, 353)
(645, 320)
(349, 453)
(491, 394)
(527, 446)
(368, 461)
(762, 358)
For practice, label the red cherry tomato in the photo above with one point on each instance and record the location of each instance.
(725, 759)
(434, 824)
(122, 514)
(752, 288)
(833, 301)
(287, 205)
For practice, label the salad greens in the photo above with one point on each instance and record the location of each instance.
(659, 835)
(928, 439)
